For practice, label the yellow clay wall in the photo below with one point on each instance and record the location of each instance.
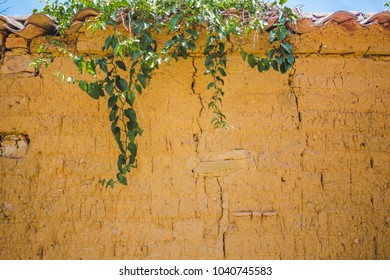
(302, 173)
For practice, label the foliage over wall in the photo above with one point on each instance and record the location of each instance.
(222, 24)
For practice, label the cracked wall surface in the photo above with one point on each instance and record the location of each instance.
(301, 173)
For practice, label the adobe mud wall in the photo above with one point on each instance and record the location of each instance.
(303, 172)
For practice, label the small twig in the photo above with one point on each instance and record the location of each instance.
(123, 21)
(255, 39)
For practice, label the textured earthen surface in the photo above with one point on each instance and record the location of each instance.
(302, 173)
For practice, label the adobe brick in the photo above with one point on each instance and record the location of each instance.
(16, 42)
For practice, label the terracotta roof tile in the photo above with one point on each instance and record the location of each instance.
(31, 27)
(338, 17)
(79, 19)
(305, 25)
(42, 21)
(382, 18)
(11, 22)
(40, 24)
(85, 13)
(348, 21)
(29, 31)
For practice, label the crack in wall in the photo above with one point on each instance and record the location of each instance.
(294, 92)
(197, 136)
(322, 181)
(223, 221)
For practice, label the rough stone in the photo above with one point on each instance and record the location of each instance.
(13, 145)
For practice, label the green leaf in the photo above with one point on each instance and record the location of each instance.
(252, 60)
(247, 31)
(145, 40)
(210, 39)
(117, 135)
(222, 71)
(79, 60)
(130, 98)
(114, 124)
(138, 27)
(184, 44)
(110, 183)
(132, 72)
(132, 148)
(40, 49)
(136, 54)
(183, 52)
(113, 113)
(261, 64)
(116, 45)
(121, 65)
(83, 85)
(122, 179)
(208, 49)
(271, 53)
(131, 135)
(220, 80)
(194, 34)
(169, 44)
(268, 63)
(173, 22)
(95, 90)
(131, 162)
(209, 61)
(112, 101)
(275, 65)
(138, 88)
(279, 59)
(120, 162)
(103, 64)
(192, 46)
(210, 85)
(243, 55)
(287, 47)
(175, 56)
(131, 115)
(221, 48)
(281, 2)
(222, 61)
(285, 67)
(109, 87)
(121, 84)
(91, 67)
(272, 35)
(107, 44)
(290, 59)
(281, 33)
(142, 80)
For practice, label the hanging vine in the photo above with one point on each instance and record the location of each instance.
(134, 54)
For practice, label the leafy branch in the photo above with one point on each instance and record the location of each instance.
(131, 56)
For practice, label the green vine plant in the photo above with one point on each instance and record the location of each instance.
(131, 56)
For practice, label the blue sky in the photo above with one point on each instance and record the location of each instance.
(18, 7)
